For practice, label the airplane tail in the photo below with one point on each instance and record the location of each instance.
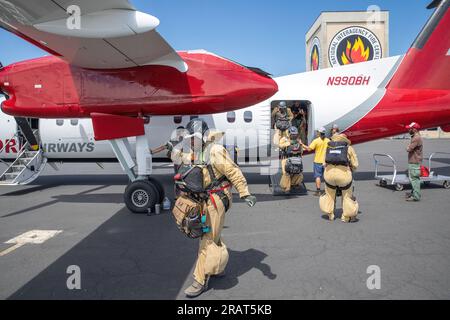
(427, 63)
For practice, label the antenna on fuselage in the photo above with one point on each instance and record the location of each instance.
(434, 4)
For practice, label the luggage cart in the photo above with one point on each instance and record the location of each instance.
(399, 180)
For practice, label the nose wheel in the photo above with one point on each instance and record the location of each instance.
(141, 195)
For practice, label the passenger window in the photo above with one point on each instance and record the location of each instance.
(178, 119)
(59, 122)
(231, 117)
(74, 122)
(248, 116)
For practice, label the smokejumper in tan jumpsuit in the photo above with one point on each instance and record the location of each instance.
(211, 260)
(340, 176)
(287, 180)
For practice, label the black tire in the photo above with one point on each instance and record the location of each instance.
(140, 196)
(447, 185)
(159, 187)
(383, 183)
(399, 187)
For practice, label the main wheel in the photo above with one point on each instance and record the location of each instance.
(140, 196)
(159, 187)
(399, 187)
(447, 184)
(383, 183)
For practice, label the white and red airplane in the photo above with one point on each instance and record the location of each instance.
(369, 100)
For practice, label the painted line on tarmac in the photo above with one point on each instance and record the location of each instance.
(30, 237)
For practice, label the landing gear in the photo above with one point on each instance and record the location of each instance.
(144, 192)
(141, 196)
(159, 187)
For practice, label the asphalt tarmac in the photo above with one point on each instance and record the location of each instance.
(284, 248)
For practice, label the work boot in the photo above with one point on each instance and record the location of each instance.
(408, 195)
(196, 289)
(331, 217)
(412, 199)
(346, 219)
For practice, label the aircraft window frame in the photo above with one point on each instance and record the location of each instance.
(248, 116)
(231, 117)
(59, 122)
(178, 119)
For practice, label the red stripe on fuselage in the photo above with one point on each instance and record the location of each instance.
(399, 107)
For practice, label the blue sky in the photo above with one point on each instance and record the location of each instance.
(269, 34)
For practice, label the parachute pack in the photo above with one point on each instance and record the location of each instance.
(189, 179)
(294, 165)
(283, 123)
(189, 217)
(294, 150)
(337, 153)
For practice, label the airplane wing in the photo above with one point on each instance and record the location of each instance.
(93, 34)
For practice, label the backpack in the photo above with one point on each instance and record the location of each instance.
(189, 217)
(294, 150)
(337, 153)
(283, 123)
(190, 179)
(294, 165)
(424, 172)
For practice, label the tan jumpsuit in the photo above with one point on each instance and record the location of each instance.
(212, 259)
(287, 180)
(340, 176)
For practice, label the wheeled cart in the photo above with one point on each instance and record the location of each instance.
(399, 180)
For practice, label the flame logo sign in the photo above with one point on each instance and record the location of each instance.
(315, 54)
(355, 53)
(315, 59)
(354, 45)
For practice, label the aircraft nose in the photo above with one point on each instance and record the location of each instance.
(256, 87)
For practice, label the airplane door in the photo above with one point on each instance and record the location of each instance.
(303, 120)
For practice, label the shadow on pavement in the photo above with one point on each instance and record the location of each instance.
(80, 196)
(239, 264)
(127, 257)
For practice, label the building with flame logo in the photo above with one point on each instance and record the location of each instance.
(342, 38)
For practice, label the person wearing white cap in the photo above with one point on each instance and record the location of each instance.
(319, 146)
(415, 158)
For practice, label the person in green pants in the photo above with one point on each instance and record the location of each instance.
(415, 157)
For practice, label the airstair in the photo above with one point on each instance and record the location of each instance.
(25, 168)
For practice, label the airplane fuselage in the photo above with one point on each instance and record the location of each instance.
(356, 97)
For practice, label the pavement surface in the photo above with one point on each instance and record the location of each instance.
(284, 248)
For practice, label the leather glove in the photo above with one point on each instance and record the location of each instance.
(169, 146)
(250, 200)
